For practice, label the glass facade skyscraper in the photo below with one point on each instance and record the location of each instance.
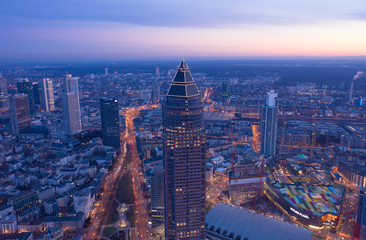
(19, 113)
(48, 99)
(109, 113)
(71, 105)
(184, 159)
(269, 117)
(27, 88)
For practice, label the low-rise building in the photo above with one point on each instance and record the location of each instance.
(224, 222)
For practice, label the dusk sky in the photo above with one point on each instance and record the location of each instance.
(162, 29)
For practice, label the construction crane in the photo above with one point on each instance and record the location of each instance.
(233, 157)
(231, 137)
(304, 139)
(313, 140)
(261, 165)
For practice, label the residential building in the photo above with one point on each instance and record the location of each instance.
(268, 126)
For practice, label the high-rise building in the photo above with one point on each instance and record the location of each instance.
(4, 99)
(106, 71)
(71, 105)
(27, 88)
(111, 130)
(19, 113)
(47, 95)
(268, 129)
(157, 193)
(184, 159)
(36, 93)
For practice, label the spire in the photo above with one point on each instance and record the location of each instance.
(183, 65)
(183, 84)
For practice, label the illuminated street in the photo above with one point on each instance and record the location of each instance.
(110, 185)
(141, 212)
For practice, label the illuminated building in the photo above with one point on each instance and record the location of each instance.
(245, 183)
(184, 159)
(310, 205)
(109, 113)
(24, 200)
(269, 125)
(19, 113)
(9, 224)
(353, 172)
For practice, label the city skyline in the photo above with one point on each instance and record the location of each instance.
(106, 133)
(113, 30)
(184, 150)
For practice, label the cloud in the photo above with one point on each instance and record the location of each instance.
(137, 28)
(178, 13)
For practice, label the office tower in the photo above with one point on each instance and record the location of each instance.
(36, 93)
(360, 101)
(269, 125)
(19, 113)
(47, 95)
(27, 88)
(111, 130)
(157, 71)
(4, 99)
(184, 159)
(225, 89)
(106, 71)
(71, 105)
(157, 193)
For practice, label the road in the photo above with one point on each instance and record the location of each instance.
(215, 189)
(349, 209)
(109, 186)
(141, 212)
(142, 230)
(111, 182)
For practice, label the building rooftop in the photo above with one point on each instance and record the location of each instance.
(183, 84)
(318, 200)
(17, 236)
(238, 223)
